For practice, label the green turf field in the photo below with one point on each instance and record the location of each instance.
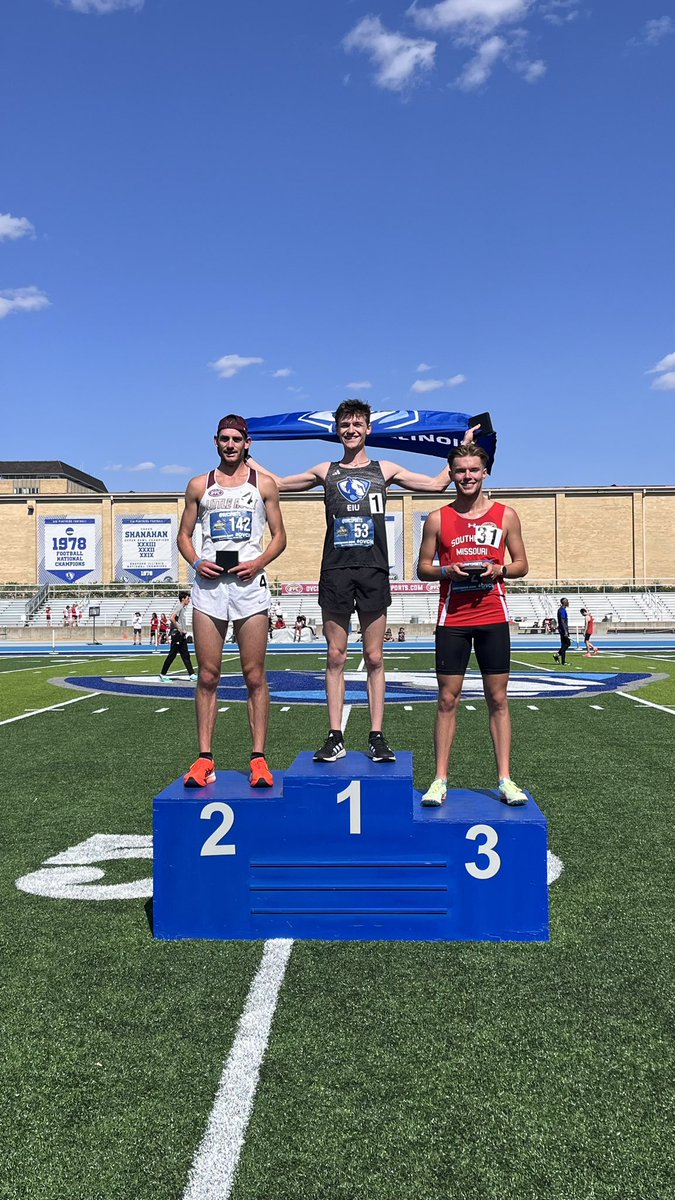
(394, 1071)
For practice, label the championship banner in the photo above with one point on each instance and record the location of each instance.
(146, 550)
(416, 430)
(70, 550)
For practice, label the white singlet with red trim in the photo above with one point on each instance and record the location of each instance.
(231, 519)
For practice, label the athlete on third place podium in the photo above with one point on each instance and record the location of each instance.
(232, 503)
(463, 545)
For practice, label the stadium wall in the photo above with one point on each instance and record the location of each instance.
(581, 534)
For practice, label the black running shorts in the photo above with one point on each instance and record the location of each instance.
(491, 643)
(344, 589)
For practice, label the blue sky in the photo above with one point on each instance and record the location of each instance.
(208, 207)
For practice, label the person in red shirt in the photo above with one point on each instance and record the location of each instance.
(463, 546)
(589, 630)
(154, 626)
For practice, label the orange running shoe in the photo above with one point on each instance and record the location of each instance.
(260, 776)
(201, 773)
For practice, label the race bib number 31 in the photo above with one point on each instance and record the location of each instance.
(234, 526)
(353, 531)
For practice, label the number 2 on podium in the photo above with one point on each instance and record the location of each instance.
(352, 793)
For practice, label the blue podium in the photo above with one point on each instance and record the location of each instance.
(345, 852)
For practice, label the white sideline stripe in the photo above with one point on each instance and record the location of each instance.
(158, 710)
(94, 711)
(597, 707)
(533, 666)
(649, 703)
(50, 708)
(216, 1161)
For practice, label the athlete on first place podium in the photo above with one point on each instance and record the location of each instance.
(355, 564)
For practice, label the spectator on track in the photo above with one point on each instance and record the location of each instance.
(138, 628)
(154, 626)
(589, 630)
(179, 642)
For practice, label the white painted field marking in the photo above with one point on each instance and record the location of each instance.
(215, 1163)
(286, 708)
(48, 667)
(470, 707)
(222, 710)
(49, 708)
(408, 707)
(554, 867)
(158, 710)
(533, 708)
(648, 703)
(345, 716)
(361, 665)
(533, 666)
(94, 711)
(597, 707)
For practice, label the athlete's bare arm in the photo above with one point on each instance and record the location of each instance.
(515, 545)
(413, 481)
(416, 482)
(315, 477)
(193, 494)
(246, 571)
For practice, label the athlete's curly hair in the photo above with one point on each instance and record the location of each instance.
(353, 408)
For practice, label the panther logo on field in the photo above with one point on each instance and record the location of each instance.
(403, 687)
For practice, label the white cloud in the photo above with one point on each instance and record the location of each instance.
(231, 364)
(432, 385)
(142, 466)
(426, 385)
(464, 16)
(175, 469)
(399, 59)
(423, 367)
(665, 382)
(560, 12)
(359, 385)
(282, 373)
(666, 364)
(653, 32)
(103, 7)
(28, 299)
(479, 69)
(12, 228)
(665, 372)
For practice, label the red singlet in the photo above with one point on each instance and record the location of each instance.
(469, 540)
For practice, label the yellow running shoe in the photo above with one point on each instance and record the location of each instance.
(435, 795)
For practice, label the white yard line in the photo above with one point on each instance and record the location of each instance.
(50, 708)
(648, 703)
(533, 666)
(49, 666)
(215, 1163)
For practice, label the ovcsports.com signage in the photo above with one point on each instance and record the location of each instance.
(397, 589)
(70, 550)
(146, 549)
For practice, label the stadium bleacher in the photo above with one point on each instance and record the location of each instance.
(527, 608)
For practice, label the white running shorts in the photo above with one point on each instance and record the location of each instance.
(229, 600)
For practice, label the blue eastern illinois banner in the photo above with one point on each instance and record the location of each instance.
(416, 430)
